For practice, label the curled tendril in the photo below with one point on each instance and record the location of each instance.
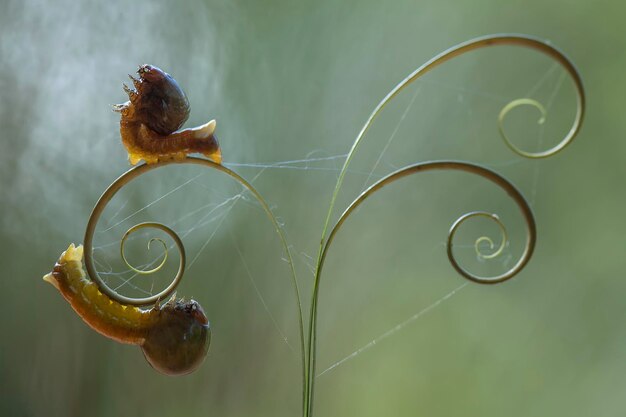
(527, 102)
(137, 171)
(104, 200)
(483, 239)
(483, 172)
(161, 241)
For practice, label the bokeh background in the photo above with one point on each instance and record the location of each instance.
(290, 84)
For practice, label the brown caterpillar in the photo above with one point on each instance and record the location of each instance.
(174, 337)
(150, 119)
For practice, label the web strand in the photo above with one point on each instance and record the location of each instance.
(392, 136)
(259, 295)
(395, 329)
(540, 140)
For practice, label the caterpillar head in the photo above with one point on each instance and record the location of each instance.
(179, 344)
(157, 101)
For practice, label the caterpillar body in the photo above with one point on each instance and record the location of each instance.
(157, 107)
(174, 337)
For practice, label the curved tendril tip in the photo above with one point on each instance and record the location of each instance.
(481, 171)
(504, 238)
(534, 103)
(161, 241)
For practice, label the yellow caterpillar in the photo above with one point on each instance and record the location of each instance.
(174, 337)
(157, 107)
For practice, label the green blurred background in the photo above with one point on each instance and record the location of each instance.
(294, 81)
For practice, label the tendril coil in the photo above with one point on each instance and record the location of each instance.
(136, 172)
(493, 217)
(509, 188)
(533, 103)
(112, 190)
(92, 223)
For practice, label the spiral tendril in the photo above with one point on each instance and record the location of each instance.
(483, 172)
(504, 238)
(503, 241)
(161, 241)
(137, 171)
(93, 274)
(526, 102)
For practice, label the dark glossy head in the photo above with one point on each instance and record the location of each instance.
(180, 342)
(159, 101)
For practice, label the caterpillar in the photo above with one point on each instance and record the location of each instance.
(157, 107)
(174, 337)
